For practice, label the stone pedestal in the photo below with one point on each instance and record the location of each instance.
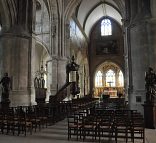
(149, 115)
(5, 105)
(5, 101)
(40, 95)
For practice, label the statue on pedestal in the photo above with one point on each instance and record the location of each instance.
(5, 81)
(149, 105)
(150, 79)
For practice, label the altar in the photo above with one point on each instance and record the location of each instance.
(112, 92)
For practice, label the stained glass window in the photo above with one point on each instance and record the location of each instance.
(98, 79)
(106, 27)
(110, 78)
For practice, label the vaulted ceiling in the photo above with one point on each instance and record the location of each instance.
(90, 11)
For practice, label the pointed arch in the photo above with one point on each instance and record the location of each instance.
(110, 78)
(106, 27)
(6, 18)
(98, 79)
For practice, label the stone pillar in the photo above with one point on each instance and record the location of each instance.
(138, 52)
(15, 49)
(15, 60)
(33, 70)
(151, 27)
(133, 9)
(49, 79)
(54, 86)
(61, 75)
(58, 74)
(139, 59)
(149, 113)
(139, 9)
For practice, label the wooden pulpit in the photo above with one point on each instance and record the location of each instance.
(40, 95)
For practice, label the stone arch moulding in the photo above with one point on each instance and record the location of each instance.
(5, 14)
(70, 8)
(105, 63)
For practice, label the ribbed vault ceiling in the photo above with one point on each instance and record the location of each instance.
(90, 11)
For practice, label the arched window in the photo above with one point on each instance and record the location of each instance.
(110, 78)
(98, 79)
(121, 79)
(106, 27)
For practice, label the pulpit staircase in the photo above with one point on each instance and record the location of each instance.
(61, 94)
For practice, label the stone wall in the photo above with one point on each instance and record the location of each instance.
(96, 59)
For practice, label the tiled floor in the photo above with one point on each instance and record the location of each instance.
(58, 134)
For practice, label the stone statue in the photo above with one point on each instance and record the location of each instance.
(150, 79)
(5, 81)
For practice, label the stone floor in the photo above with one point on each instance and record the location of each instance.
(58, 134)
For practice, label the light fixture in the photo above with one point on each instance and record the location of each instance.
(103, 8)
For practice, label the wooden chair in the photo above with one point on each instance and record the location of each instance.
(2, 121)
(138, 129)
(74, 128)
(10, 121)
(24, 124)
(105, 127)
(121, 124)
(89, 127)
(33, 118)
(42, 116)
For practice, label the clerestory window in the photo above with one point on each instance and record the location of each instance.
(106, 27)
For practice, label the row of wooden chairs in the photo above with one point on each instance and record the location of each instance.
(23, 119)
(112, 103)
(16, 119)
(83, 124)
(108, 124)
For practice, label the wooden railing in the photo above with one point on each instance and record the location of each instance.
(61, 94)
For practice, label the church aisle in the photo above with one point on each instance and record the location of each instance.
(58, 134)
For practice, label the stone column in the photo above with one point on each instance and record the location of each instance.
(49, 79)
(61, 72)
(16, 49)
(138, 54)
(33, 70)
(151, 27)
(132, 5)
(54, 86)
(139, 60)
(58, 74)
